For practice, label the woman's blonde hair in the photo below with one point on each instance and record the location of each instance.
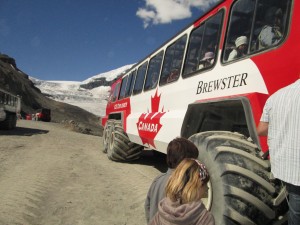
(187, 181)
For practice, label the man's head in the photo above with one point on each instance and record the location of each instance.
(179, 149)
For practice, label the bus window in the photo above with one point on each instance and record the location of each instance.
(123, 87)
(248, 34)
(116, 93)
(130, 83)
(140, 77)
(173, 61)
(270, 24)
(195, 41)
(153, 71)
(238, 35)
(203, 45)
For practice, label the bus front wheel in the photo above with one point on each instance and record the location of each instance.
(120, 148)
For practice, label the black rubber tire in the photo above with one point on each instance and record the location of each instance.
(107, 134)
(120, 148)
(9, 123)
(242, 191)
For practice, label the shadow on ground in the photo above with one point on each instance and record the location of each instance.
(153, 158)
(21, 131)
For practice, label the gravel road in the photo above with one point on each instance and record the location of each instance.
(51, 175)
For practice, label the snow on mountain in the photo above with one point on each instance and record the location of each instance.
(92, 100)
(109, 76)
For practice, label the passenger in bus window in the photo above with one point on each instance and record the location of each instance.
(207, 60)
(173, 75)
(240, 50)
(271, 33)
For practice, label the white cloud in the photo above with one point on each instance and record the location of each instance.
(165, 11)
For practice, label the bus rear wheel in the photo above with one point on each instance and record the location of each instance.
(120, 148)
(241, 191)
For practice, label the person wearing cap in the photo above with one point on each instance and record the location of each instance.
(177, 150)
(241, 44)
(271, 33)
(184, 191)
(207, 60)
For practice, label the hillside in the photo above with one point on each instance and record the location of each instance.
(17, 82)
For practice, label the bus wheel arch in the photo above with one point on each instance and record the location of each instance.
(234, 115)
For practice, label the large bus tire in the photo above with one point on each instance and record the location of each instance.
(241, 188)
(120, 148)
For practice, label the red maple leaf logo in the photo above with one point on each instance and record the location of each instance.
(148, 124)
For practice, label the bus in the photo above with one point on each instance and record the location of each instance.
(10, 108)
(209, 83)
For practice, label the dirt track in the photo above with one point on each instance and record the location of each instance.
(50, 175)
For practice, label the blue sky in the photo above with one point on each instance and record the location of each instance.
(72, 40)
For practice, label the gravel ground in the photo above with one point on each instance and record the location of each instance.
(51, 175)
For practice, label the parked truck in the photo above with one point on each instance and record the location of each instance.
(10, 109)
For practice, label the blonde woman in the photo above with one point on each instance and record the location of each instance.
(177, 150)
(184, 190)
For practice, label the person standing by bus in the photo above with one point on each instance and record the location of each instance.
(177, 150)
(184, 190)
(280, 122)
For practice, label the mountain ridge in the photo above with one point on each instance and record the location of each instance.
(90, 94)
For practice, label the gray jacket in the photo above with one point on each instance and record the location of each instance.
(155, 194)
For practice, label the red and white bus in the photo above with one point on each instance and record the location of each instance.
(209, 83)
